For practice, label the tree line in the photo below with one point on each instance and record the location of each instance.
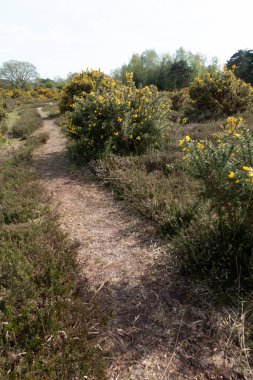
(170, 72)
(165, 71)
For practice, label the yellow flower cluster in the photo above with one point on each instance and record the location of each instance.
(239, 175)
(220, 94)
(117, 115)
(185, 146)
(27, 95)
(230, 129)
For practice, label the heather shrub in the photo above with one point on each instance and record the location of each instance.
(117, 118)
(28, 122)
(219, 94)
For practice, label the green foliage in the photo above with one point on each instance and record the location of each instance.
(242, 60)
(180, 99)
(28, 122)
(116, 118)
(225, 167)
(219, 94)
(2, 110)
(180, 75)
(80, 85)
(217, 253)
(164, 71)
(18, 73)
(224, 164)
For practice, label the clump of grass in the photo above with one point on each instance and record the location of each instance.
(155, 185)
(51, 109)
(44, 324)
(27, 123)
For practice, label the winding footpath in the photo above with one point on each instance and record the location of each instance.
(159, 326)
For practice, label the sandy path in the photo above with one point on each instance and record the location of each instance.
(157, 329)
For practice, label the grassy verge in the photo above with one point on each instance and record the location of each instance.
(12, 118)
(44, 329)
(51, 109)
(24, 122)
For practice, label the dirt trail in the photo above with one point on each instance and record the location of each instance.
(158, 329)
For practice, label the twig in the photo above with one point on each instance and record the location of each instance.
(174, 349)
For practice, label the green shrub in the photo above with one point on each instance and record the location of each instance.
(217, 252)
(81, 84)
(180, 99)
(118, 119)
(224, 164)
(219, 94)
(2, 110)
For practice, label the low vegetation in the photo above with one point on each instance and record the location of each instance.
(26, 123)
(44, 329)
(184, 159)
(194, 183)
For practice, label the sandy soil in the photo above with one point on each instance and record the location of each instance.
(161, 327)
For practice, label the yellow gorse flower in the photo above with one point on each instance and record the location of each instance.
(231, 175)
(200, 146)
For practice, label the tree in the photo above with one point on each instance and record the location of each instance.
(243, 60)
(180, 75)
(145, 68)
(18, 73)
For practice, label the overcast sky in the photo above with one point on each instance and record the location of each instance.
(62, 36)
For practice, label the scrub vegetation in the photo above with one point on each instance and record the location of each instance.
(45, 324)
(171, 136)
(193, 180)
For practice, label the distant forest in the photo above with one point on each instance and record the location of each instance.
(170, 72)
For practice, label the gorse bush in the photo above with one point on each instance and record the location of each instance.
(13, 98)
(219, 94)
(2, 110)
(82, 84)
(117, 118)
(180, 99)
(224, 164)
